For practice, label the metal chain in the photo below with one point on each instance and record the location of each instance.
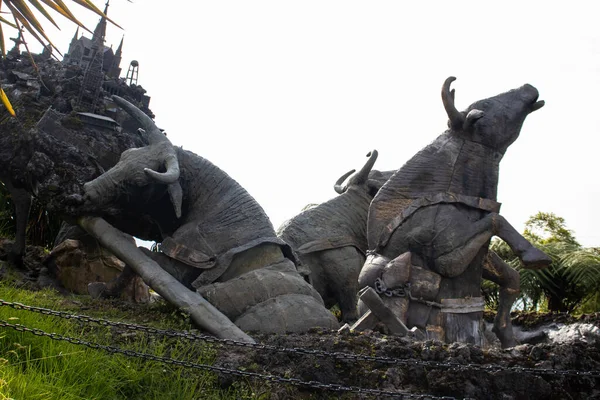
(313, 352)
(234, 372)
(402, 291)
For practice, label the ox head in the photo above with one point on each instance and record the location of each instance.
(494, 122)
(367, 179)
(139, 169)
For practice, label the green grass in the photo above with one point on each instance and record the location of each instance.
(38, 367)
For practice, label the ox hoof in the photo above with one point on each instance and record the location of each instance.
(506, 336)
(535, 259)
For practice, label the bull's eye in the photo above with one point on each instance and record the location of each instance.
(139, 180)
(129, 153)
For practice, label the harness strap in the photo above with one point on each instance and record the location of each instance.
(223, 261)
(432, 199)
(330, 243)
(187, 255)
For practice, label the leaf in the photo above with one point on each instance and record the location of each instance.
(26, 12)
(6, 103)
(41, 9)
(26, 24)
(66, 10)
(2, 46)
(90, 6)
(7, 22)
(62, 9)
(58, 9)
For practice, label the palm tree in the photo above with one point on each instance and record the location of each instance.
(23, 19)
(573, 277)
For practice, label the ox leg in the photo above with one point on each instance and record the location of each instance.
(455, 261)
(531, 257)
(114, 288)
(22, 201)
(334, 274)
(342, 273)
(499, 272)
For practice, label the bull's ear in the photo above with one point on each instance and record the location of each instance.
(176, 196)
(472, 117)
(373, 187)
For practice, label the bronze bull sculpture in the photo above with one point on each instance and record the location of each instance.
(214, 237)
(441, 208)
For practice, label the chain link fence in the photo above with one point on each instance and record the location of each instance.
(191, 336)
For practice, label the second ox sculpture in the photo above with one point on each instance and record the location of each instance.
(331, 238)
(215, 238)
(440, 209)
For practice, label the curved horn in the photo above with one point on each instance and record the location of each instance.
(456, 118)
(171, 175)
(362, 175)
(154, 134)
(338, 184)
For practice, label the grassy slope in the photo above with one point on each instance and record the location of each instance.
(38, 367)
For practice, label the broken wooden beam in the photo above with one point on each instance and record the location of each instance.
(370, 297)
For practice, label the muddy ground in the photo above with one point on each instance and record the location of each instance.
(393, 364)
(375, 365)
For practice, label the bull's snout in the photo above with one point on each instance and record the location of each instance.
(530, 95)
(530, 91)
(91, 192)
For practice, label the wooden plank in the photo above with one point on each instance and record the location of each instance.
(464, 328)
(366, 321)
(463, 306)
(384, 314)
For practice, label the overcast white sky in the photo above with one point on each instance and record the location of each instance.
(287, 96)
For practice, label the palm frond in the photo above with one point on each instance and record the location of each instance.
(45, 13)
(6, 103)
(22, 12)
(23, 15)
(90, 6)
(2, 45)
(25, 22)
(7, 22)
(65, 13)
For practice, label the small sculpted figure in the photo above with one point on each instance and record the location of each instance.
(441, 208)
(331, 239)
(214, 237)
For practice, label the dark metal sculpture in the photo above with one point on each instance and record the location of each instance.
(212, 233)
(22, 202)
(441, 207)
(331, 239)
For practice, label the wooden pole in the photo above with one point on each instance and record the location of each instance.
(201, 311)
